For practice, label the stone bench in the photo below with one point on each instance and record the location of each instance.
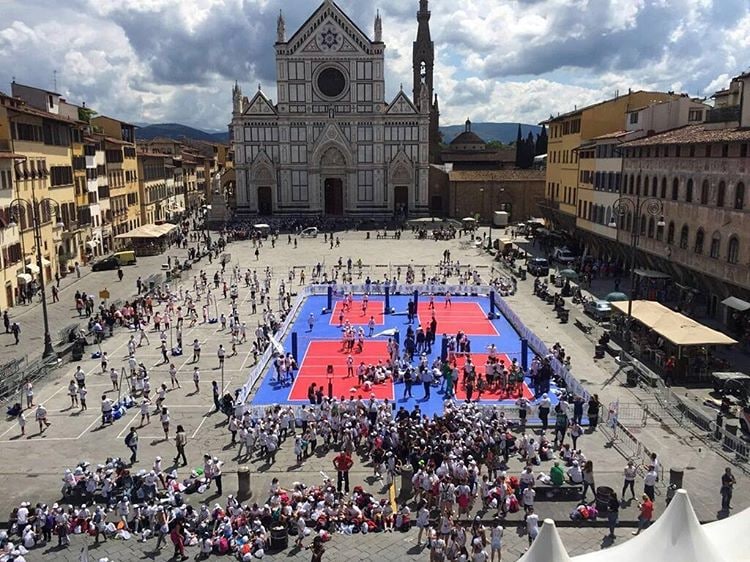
(550, 493)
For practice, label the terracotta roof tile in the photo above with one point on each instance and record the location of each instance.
(693, 134)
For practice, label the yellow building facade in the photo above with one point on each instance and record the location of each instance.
(122, 172)
(566, 134)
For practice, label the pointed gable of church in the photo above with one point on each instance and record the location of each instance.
(401, 105)
(260, 105)
(329, 30)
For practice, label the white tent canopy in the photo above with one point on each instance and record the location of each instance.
(677, 535)
(730, 536)
(547, 546)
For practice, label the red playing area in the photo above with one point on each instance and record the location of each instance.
(466, 316)
(490, 394)
(320, 354)
(356, 316)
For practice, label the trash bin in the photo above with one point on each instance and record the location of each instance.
(599, 351)
(631, 377)
(551, 278)
(279, 537)
(169, 275)
(243, 483)
(151, 285)
(603, 495)
(407, 488)
(563, 314)
(522, 274)
(675, 482)
(76, 351)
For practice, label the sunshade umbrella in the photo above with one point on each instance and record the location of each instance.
(616, 296)
(569, 274)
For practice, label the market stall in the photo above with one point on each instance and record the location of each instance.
(673, 343)
(149, 239)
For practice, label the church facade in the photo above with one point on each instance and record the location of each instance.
(332, 144)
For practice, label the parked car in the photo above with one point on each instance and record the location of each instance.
(309, 232)
(597, 309)
(538, 267)
(737, 384)
(106, 264)
(126, 257)
(563, 256)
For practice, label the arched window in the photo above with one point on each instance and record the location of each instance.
(642, 225)
(675, 189)
(670, 233)
(715, 245)
(663, 188)
(721, 194)
(739, 196)
(684, 234)
(733, 253)
(651, 227)
(699, 236)
(704, 192)
(689, 191)
(654, 186)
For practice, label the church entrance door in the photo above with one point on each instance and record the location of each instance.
(401, 201)
(333, 191)
(265, 200)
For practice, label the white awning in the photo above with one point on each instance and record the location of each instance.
(92, 244)
(45, 262)
(32, 267)
(735, 303)
(24, 277)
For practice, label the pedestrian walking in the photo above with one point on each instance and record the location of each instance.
(196, 379)
(41, 417)
(649, 482)
(15, 329)
(21, 422)
(196, 351)
(131, 442)
(727, 485)
(164, 419)
(646, 508)
(221, 354)
(173, 376)
(29, 390)
(613, 512)
(343, 463)
(588, 479)
(73, 393)
(145, 408)
(180, 443)
(629, 474)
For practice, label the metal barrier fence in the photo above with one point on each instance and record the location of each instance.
(24, 371)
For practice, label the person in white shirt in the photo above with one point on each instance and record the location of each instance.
(532, 525)
(423, 520)
(575, 474)
(629, 474)
(496, 542)
(649, 482)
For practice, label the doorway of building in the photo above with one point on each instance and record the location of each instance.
(401, 201)
(265, 200)
(333, 189)
(9, 296)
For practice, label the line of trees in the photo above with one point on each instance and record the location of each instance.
(527, 148)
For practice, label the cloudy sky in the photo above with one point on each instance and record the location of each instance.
(497, 60)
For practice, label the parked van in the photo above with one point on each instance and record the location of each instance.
(126, 257)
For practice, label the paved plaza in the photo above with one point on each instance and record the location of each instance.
(34, 463)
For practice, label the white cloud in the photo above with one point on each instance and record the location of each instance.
(515, 60)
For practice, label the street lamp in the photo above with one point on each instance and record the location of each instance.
(653, 207)
(33, 207)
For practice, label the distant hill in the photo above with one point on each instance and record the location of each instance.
(503, 132)
(176, 131)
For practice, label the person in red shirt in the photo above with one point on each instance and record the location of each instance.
(343, 463)
(647, 512)
(178, 540)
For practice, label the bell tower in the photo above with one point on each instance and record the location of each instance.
(423, 61)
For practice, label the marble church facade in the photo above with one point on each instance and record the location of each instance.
(332, 144)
